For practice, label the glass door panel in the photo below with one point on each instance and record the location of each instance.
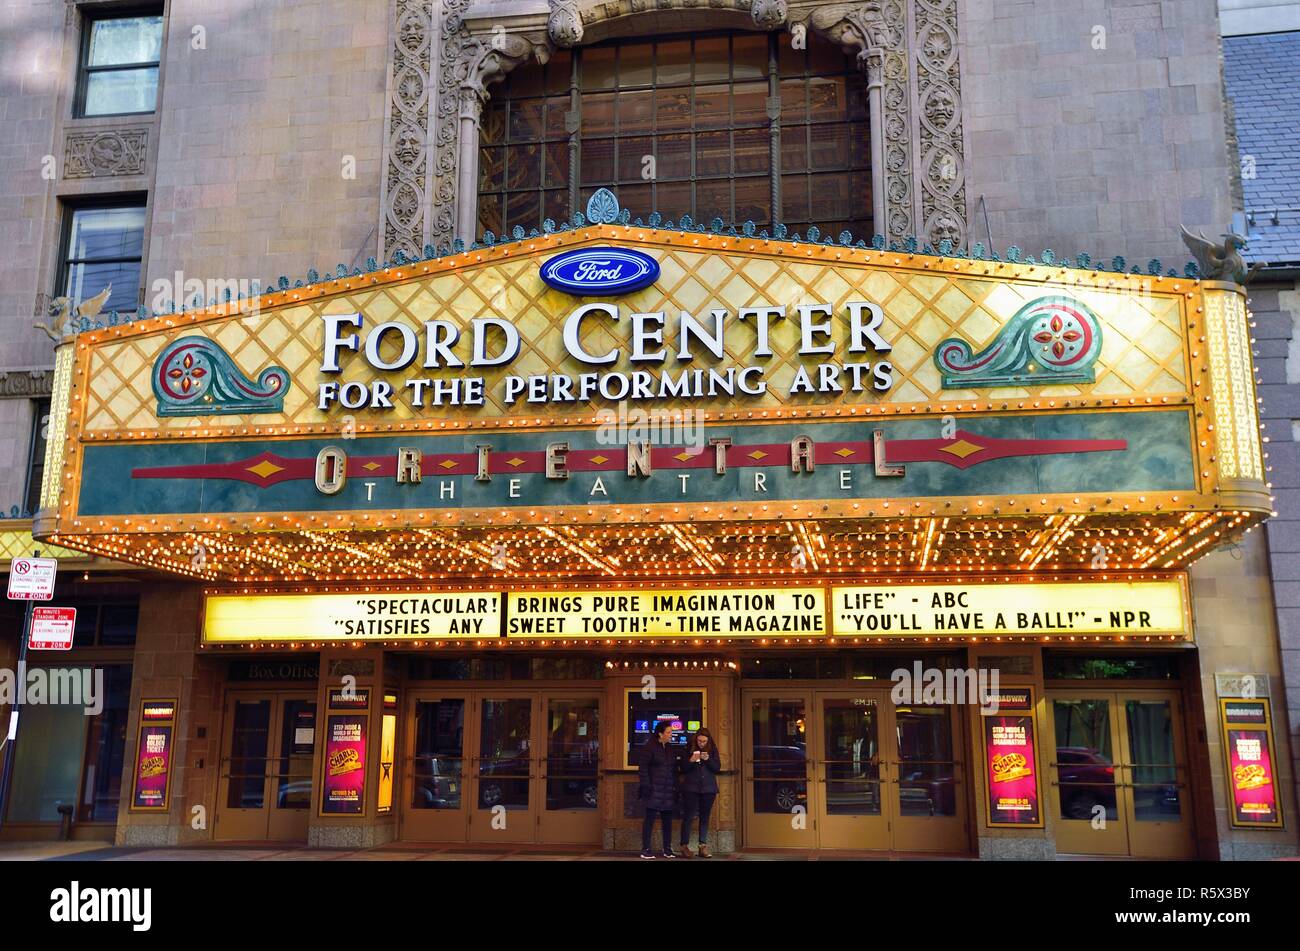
(297, 743)
(1087, 794)
(1156, 799)
(851, 743)
(292, 781)
(572, 754)
(243, 798)
(927, 784)
(929, 795)
(1154, 773)
(775, 773)
(435, 785)
(570, 779)
(504, 803)
(850, 799)
(851, 756)
(248, 746)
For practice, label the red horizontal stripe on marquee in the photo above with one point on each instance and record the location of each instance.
(267, 469)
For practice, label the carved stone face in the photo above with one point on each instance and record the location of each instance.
(945, 228)
(939, 106)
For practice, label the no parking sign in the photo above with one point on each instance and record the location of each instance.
(32, 579)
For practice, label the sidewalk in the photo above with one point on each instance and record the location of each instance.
(393, 852)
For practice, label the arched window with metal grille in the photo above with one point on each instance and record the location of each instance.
(732, 125)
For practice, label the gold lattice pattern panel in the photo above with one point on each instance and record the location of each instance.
(926, 300)
(16, 542)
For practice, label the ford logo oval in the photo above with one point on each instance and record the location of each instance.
(589, 272)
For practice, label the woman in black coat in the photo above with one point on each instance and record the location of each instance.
(658, 775)
(699, 789)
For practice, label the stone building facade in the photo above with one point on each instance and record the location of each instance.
(289, 137)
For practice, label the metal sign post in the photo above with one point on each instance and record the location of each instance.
(9, 745)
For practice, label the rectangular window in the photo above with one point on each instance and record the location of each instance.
(104, 245)
(104, 623)
(118, 74)
(36, 462)
(683, 709)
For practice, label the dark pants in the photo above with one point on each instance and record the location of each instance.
(693, 804)
(648, 827)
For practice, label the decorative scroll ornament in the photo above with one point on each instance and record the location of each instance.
(195, 377)
(1050, 340)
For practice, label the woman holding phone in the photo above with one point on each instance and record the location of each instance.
(699, 789)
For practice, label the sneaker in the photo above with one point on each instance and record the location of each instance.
(648, 855)
(668, 855)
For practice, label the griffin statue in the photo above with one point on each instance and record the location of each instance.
(61, 310)
(1220, 262)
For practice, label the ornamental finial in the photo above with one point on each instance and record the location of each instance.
(602, 207)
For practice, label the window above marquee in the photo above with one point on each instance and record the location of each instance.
(682, 126)
(118, 69)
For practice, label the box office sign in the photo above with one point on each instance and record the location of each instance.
(152, 785)
(1010, 761)
(1012, 609)
(354, 617)
(1252, 764)
(699, 612)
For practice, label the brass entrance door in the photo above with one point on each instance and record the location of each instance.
(1119, 774)
(265, 791)
(853, 798)
(505, 770)
(436, 801)
(889, 776)
(503, 767)
(849, 770)
(569, 795)
(776, 770)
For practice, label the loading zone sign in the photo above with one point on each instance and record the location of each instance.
(32, 579)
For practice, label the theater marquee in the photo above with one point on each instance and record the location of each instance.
(860, 412)
(1154, 608)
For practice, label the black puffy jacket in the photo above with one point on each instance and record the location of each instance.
(658, 775)
(701, 777)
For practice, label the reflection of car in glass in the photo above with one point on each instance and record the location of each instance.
(1087, 780)
(294, 795)
(571, 781)
(780, 778)
(926, 790)
(436, 786)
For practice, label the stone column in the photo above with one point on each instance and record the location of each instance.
(483, 61)
(470, 117)
(875, 69)
(875, 34)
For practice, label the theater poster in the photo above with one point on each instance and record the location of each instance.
(1011, 771)
(344, 787)
(1248, 743)
(153, 756)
